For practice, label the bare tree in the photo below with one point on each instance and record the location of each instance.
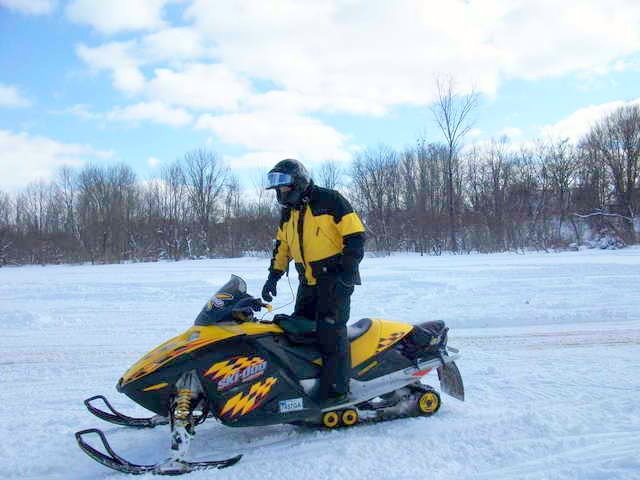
(206, 176)
(107, 202)
(330, 175)
(5, 209)
(32, 204)
(231, 214)
(173, 210)
(559, 160)
(592, 182)
(264, 199)
(93, 211)
(452, 112)
(376, 183)
(428, 197)
(6, 240)
(420, 190)
(615, 141)
(66, 183)
(489, 178)
(174, 192)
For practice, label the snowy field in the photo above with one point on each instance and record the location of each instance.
(550, 348)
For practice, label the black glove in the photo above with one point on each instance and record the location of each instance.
(351, 256)
(269, 288)
(243, 310)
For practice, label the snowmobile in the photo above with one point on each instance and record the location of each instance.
(248, 372)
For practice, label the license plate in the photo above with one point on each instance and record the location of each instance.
(291, 405)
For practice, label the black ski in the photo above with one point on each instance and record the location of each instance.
(170, 467)
(113, 416)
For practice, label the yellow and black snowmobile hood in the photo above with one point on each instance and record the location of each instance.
(193, 339)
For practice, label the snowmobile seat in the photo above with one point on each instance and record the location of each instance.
(433, 327)
(433, 334)
(359, 328)
(300, 329)
(297, 329)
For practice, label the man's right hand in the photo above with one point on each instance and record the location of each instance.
(269, 288)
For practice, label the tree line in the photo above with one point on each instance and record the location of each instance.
(427, 198)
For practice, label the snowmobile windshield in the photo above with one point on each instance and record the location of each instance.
(218, 308)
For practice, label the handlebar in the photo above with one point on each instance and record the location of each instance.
(243, 310)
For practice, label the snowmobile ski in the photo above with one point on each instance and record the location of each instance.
(169, 467)
(113, 416)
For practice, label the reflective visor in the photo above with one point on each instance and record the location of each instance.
(276, 179)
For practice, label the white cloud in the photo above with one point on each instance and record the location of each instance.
(115, 16)
(255, 160)
(199, 86)
(80, 110)
(179, 43)
(294, 59)
(626, 65)
(349, 55)
(124, 59)
(578, 124)
(31, 7)
(27, 158)
(156, 112)
(10, 97)
(547, 38)
(281, 134)
(118, 58)
(153, 162)
(297, 101)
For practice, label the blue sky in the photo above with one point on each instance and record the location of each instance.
(144, 81)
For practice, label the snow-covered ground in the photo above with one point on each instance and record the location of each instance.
(551, 364)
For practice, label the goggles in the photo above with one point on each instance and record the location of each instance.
(277, 179)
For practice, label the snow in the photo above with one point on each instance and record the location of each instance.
(550, 359)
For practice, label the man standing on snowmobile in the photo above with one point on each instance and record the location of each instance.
(325, 237)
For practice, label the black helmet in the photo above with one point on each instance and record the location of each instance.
(291, 173)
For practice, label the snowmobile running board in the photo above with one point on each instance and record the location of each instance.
(113, 416)
(169, 467)
(448, 374)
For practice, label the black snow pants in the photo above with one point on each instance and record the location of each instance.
(329, 304)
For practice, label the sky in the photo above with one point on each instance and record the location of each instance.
(145, 81)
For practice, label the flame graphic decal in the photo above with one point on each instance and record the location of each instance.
(243, 403)
(390, 340)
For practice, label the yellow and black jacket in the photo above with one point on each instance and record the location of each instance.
(324, 236)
